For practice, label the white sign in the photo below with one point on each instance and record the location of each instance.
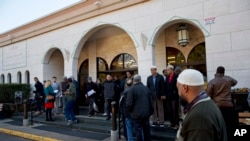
(210, 20)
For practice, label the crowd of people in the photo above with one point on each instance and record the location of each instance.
(176, 96)
(59, 98)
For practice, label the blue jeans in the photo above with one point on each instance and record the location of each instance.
(129, 128)
(69, 110)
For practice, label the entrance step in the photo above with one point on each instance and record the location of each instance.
(96, 123)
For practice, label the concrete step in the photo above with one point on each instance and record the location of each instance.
(97, 124)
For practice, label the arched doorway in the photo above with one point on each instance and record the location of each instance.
(53, 64)
(190, 55)
(2, 79)
(19, 77)
(27, 77)
(100, 46)
(82, 77)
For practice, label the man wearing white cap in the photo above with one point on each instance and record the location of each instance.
(155, 83)
(203, 119)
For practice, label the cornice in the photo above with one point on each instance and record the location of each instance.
(68, 16)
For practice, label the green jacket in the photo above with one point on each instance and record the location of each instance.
(72, 92)
(203, 122)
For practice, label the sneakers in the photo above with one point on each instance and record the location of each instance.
(76, 121)
(69, 122)
(104, 114)
(154, 124)
(161, 124)
(176, 127)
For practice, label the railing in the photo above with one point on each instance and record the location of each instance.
(240, 101)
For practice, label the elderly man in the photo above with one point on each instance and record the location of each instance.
(155, 83)
(172, 97)
(203, 120)
(140, 107)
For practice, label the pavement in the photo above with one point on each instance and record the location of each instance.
(42, 132)
(94, 128)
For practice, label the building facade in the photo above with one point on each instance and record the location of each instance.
(96, 37)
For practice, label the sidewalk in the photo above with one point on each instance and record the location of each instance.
(37, 132)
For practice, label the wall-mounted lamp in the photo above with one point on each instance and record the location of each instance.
(183, 35)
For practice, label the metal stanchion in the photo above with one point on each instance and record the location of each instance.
(114, 132)
(25, 114)
(31, 112)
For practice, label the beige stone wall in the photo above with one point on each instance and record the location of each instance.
(168, 38)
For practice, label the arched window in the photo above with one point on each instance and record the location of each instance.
(197, 58)
(102, 67)
(27, 77)
(19, 77)
(175, 57)
(9, 78)
(123, 61)
(2, 79)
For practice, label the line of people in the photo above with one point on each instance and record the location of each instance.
(159, 101)
(58, 98)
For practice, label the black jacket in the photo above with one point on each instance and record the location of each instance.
(109, 89)
(39, 89)
(159, 85)
(139, 102)
(122, 103)
(90, 86)
(170, 88)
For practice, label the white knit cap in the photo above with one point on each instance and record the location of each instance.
(191, 77)
(153, 67)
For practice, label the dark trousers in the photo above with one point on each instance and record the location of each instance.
(166, 115)
(91, 105)
(39, 104)
(100, 104)
(108, 106)
(48, 113)
(231, 120)
(142, 129)
(173, 111)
